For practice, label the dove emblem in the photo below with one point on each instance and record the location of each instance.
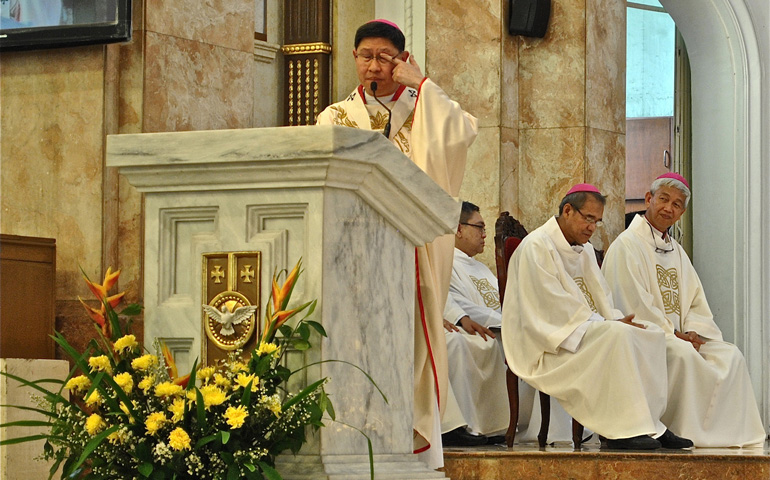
(228, 318)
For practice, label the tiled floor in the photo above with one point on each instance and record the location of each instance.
(562, 462)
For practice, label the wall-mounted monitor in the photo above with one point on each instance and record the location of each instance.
(39, 24)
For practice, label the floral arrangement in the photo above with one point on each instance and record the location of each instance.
(130, 415)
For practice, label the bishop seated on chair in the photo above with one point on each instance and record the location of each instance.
(563, 336)
(710, 399)
(478, 403)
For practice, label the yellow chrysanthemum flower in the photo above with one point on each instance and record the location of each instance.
(243, 380)
(236, 416)
(144, 362)
(81, 383)
(212, 396)
(236, 367)
(221, 381)
(124, 381)
(177, 410)
(205, 373)
(100, 363)
(126, 342)
(167, 389)
(146, 383)
(179, 440)
(154, 422)
(95, 399)
(266, 348)
(94, 424)
(119, 437)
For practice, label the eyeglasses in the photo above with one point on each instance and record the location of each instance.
(655, 241)
(483, 228)
(366, 58)
(590, 220)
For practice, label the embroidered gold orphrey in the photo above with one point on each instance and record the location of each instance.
(230, 280)
(583, 288)
(668, 282)
(487, 292)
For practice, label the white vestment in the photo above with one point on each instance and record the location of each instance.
(476, 366)
(433, 131)
(710, 398)
(559, 337)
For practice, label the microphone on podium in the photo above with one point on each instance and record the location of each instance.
(385, 132)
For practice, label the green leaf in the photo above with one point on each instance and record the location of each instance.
(304, 331)
(31, 438)
(300, 344)
(246, 398)
(233, 473)
(285, 330)
(208, 439)
(145, 469)
(303, 394)
(312, 308)
(132, 310)
(269, 472)
(317, 326)
(26, 423)
(225, 435)
(200, 410)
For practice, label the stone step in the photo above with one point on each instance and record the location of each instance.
(531, 463)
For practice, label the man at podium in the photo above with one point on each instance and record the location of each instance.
(418, 117)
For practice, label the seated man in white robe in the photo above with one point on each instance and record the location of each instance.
(476, 364)
(420, 119)
(710, 398)
(563, 336)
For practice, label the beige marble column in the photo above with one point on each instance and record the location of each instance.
(571, 115)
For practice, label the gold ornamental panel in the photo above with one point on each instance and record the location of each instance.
(231, 313)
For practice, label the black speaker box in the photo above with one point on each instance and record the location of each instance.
(529, 17)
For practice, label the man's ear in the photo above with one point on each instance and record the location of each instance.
(404, 55)
(647, 199)
(354, 54)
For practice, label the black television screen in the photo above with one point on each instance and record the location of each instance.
(38, 24)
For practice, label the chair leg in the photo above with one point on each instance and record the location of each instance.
(512, 383)
(577, 434)
(545, 413)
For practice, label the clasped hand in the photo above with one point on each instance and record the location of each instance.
(691, 337)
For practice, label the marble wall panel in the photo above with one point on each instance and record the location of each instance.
(606, 65)
(509, 170)
(346, 18)
(606, 168)
(131, 89)
(196, 86)
(550, 162)
(481, 184)
(552, 70)
(509, 81)
(225, 23)
(463, 54)
(51, 174)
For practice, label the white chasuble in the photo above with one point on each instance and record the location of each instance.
(614, 382)
(435, 133)
(710, 397)
(476, 366)
(473, 289)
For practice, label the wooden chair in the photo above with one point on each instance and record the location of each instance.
(509, 233)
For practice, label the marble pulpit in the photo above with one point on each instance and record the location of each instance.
(347, 202)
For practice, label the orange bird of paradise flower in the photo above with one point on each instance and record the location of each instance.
(173, 372)
(100, 291)
(276, 314)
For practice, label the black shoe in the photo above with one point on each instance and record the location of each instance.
(495, 439)
(459, 437)
(669, 440)
(640, 442)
